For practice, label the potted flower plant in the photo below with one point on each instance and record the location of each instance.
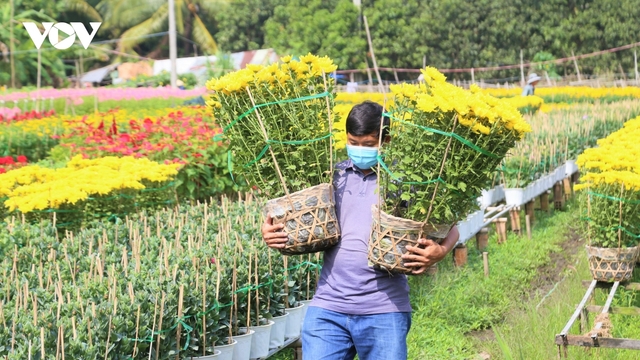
(445, 144)
(277, 120)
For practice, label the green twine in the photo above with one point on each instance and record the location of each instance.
(615, 228)
(288, 142)
(218, 137)
(449, 134)
(613, 198)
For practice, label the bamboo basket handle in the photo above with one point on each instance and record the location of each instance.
(273, 156)
(435, 191)
(326, 89)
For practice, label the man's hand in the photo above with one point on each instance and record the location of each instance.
(429, 252)
(422, 258)
(273, 234)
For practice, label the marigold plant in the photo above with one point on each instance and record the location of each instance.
(33, 187)
(612, 188)
(445, 144)
(276, 119)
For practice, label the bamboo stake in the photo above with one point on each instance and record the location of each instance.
(160, 324)
(109, 338)
(135, 344)
(73, 325)
(204, 313)
(42, 353)
(62, 341)
(249, 296)
(234, 287)
(257, 278)
(444, 159)
(153, 326)
(179, 329)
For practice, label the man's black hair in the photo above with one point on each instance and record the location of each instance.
(364, 119)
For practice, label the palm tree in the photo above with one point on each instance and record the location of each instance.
(25, 56)
(132, 20)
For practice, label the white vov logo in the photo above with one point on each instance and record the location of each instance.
(53, 29)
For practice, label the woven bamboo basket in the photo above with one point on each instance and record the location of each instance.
(612, 264)
(390, 236)
(310, 219)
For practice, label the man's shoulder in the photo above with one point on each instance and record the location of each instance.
(344, 165)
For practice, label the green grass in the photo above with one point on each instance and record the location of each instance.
(529, 330)
(455, 302)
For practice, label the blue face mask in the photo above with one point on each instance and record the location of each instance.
(363, 157)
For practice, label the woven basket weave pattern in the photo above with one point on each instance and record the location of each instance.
(390, 236)
(310, 219)
(612, 264)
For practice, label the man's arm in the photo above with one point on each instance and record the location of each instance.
(421, 259)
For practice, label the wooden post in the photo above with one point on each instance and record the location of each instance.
(373, 55)
(482, 239)
(485, 261)
(473, 77)
(575, 177)
(558, 197)
(568, 188)
(460, 255)
(501, 229)
(635, 63)
(528, 209)
(297, 353)
(575, 62)
(521, 70)
(514, 216)
(11, 47)
(528, 224)
(370, 85)
(395, 75)
(544, 201)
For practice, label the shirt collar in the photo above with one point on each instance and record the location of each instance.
(350, 166)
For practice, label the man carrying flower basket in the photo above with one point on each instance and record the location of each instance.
(358, 309)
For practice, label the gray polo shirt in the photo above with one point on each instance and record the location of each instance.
(347, 284)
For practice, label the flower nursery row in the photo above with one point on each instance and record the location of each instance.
(179, 283)
(183, 136)
(103, 93)
(611, 182)
(573, 94)
(610, 203)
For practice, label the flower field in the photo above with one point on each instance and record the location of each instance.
(134, 279)
(574, 94)
(174, 282)
(612, 185)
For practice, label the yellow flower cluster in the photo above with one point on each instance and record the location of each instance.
(572, 92)
(475, 109)
(307, 67)
(616, 160)
(356, 98)
(525, 102)
(36, 188)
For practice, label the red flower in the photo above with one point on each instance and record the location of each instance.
(212, 260)
(2, 170)
(22, 159)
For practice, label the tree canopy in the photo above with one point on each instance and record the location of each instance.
(445, 33)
